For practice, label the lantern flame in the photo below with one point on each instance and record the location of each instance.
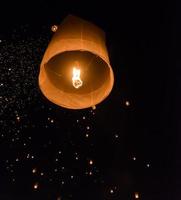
(76, 81)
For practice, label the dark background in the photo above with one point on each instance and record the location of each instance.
(143, 40)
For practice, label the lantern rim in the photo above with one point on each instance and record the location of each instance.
(48, 95)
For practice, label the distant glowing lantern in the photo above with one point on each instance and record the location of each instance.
(75, 72)
(34, 170)
(54, 28)
(136, 195)
(127, 103)
(35, 186)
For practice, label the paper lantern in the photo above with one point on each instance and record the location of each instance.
(75, 71)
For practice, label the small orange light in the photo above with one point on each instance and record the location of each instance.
(34, 171)
(91, 162)
(54, 28)
(136, 195)
(127, 103)
(35, 186)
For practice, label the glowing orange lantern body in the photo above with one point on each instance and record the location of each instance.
(75, 71)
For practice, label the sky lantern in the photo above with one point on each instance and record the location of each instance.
(75, 71)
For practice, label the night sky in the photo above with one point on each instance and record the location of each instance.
(129, 146)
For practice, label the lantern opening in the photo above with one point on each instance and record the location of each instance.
(94, 72)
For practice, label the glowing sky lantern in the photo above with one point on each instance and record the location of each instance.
(75, 71)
